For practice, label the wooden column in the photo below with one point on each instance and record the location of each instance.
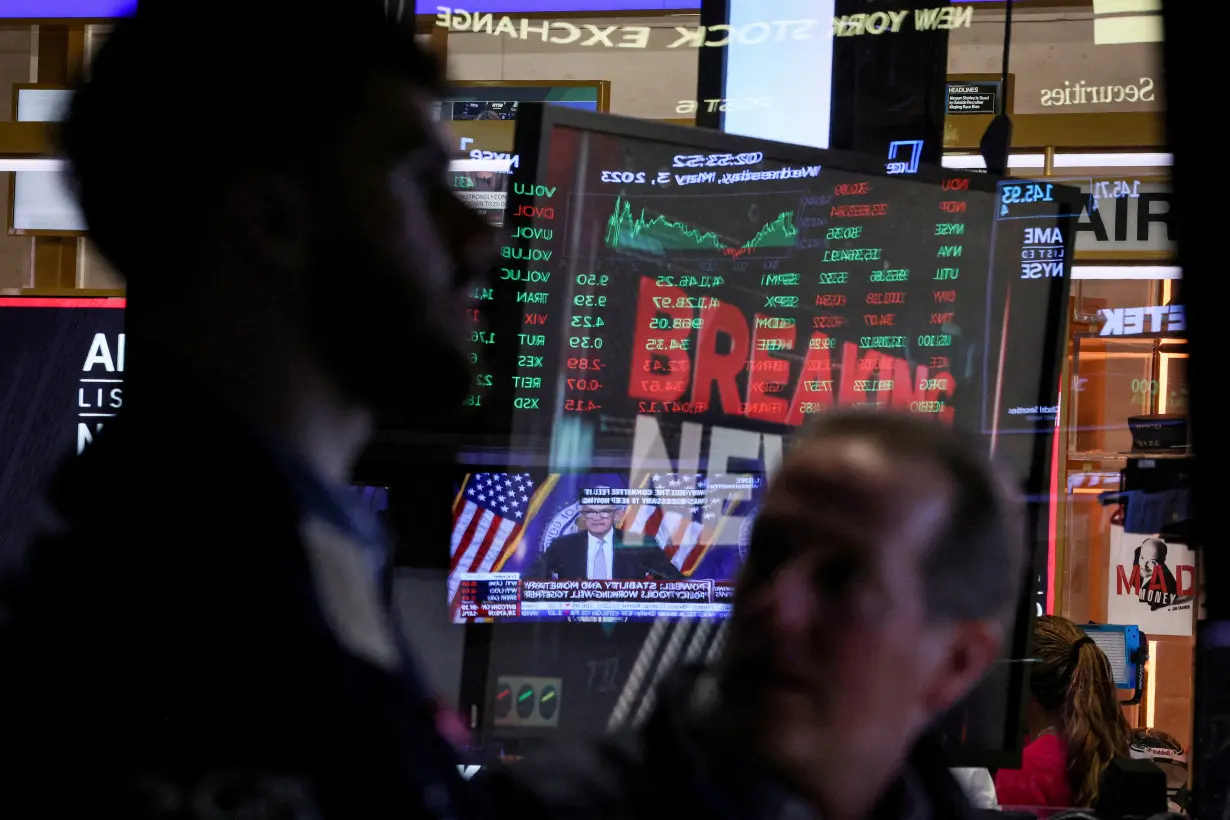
(439, 42)
(61, 57)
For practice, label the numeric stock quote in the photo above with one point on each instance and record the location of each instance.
(676, 303)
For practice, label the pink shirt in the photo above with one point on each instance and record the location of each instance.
(1042, 779)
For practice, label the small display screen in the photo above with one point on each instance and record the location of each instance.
(485, 191)
(502, 110)
(588, 546)
(481, 118)
(500, 102)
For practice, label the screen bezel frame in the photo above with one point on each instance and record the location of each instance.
(534, 125)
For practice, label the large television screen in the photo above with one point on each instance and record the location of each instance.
(676, 302)
(61, 380)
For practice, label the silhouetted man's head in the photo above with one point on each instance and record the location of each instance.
(885, 564)
(273, 167)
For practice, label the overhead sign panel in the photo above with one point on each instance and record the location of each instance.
(65, 9)
(556, 6)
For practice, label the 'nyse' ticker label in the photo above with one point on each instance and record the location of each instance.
(1042, 253)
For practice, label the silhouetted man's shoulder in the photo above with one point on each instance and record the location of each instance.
(146, 592)
(576, 780)
(679, 764)
(176, 620)
(158, 518)
(670, 766)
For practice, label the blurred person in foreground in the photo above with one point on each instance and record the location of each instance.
(1075, 723)
(199, 632)
(884, 569)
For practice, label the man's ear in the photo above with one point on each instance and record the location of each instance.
(972, 648)
(273, 224)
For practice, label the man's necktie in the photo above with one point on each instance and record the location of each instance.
(600, 559)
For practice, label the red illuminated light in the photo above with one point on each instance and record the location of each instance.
(62, 302)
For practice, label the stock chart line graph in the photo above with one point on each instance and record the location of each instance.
(631, 230)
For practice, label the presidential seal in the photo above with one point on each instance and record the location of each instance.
(564, 522)
(745, 535)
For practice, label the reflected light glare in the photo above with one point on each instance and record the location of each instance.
(1151, 686)
(963, 162)
(1127, 272)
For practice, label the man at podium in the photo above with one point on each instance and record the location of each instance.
(596, 552)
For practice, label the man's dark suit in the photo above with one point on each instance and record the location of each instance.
(684, 762)
(568, 559)
(174, 639)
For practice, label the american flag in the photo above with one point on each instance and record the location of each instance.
(489, 515)
(685, 526)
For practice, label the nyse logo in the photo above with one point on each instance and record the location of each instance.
(1041, 270)
(897, 151)
(1131, 321)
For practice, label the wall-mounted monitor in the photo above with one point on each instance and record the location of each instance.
(766, 86)
(849, 74)
(584, 545)
(482, 115)
(482, 184)
(674, 303)
(498, 99)
(63, 376)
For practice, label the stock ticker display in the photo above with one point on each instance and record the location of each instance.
(675, 309)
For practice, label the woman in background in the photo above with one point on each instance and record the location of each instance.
(1075, 724)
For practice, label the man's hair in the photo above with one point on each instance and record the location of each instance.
(976, 564)
(176, 104)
